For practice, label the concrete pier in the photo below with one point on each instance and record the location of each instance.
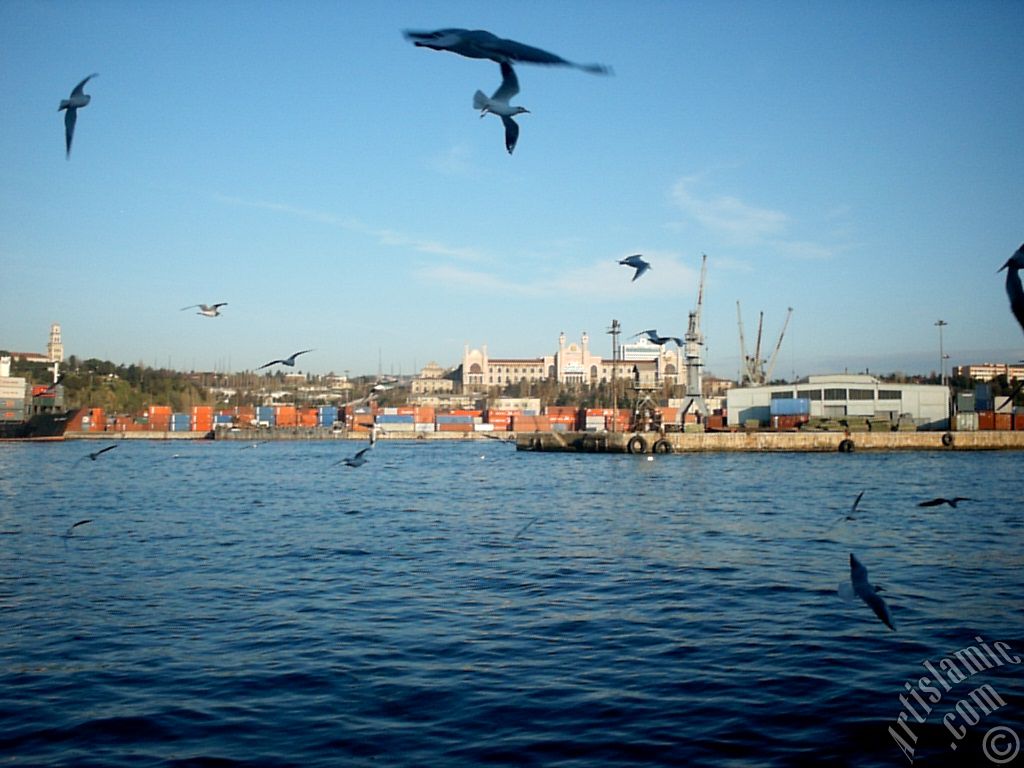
(691, 442)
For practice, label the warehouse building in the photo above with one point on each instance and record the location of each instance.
(840, 395)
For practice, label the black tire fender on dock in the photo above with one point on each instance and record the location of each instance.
(636, 444)
(846, 446)
(663, 446)
(947, 439)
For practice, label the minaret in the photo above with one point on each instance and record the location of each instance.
(55, 349)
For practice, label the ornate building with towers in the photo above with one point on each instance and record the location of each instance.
(573, 363)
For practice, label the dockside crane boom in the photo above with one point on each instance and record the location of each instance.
(775, 354)
(744, 360)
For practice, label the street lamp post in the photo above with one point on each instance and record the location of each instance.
(942, 357)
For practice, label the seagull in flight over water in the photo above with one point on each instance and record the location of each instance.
(76, 100)
(480, 44)
(356, 461)
(936, 502)
(289, 361)
(636, 262)
(1013, 266)
(96, 454)
(498, 104)
(853, 509)
(654, 338)
(207, 310)
(869, 594)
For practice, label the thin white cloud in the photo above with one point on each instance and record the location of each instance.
(387, 237)
(739, 223)
(728, 215)
(605, 279)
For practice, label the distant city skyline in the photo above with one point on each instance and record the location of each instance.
(859, 162)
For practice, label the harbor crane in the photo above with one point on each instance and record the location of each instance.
(692, 354)
(754, 369)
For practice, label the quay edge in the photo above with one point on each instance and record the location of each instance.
(799, 442)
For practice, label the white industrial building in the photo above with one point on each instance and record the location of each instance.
(839, 395)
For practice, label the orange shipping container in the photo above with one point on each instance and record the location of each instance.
(1004, 421)
(454, 427)
(986, 420)
(424, 414)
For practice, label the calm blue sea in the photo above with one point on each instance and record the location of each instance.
(462, 604)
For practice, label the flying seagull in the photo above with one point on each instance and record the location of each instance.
(96, 454)
(636, 262)
(498, 104)
(480, 44)
(207, 310)
(853, 509)
(869, 594)
(654, 338)
(1013, 266)
(936, 502)
(355, 461)
(75, 525)
(72, 104)
(289, 361)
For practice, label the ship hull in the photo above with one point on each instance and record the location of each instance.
(40, 427)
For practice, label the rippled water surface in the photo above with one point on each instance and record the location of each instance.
(465, 604)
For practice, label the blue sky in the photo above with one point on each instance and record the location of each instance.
(859, 162)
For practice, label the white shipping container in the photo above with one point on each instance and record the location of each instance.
(423, 427)
(483, 427)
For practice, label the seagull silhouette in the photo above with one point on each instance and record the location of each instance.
(853, 509)
(637, 262)
(480, 44)
(72, 104)
(869, 594)
(1013, 266)
(654, 338)
(498, 104)
(355, 461)
(96, 454)
(289, 361)
(207, 310)
(71, 529)
(936, 502)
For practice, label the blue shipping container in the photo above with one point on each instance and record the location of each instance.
(395, 418)
(223, 418)
(790, 406)
(327, 415)
(450, 419)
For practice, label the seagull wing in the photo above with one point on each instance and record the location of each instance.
(104, 450)
(501, 48)
(641, 267)
(677, 340)
(867, 593)
(70, 116)
(77, 90)
(359, 454)
(222, 304)
(272, 362)
(511, 133)
(932, 503)
(856, 502)
(633, 261)
(509, 84)
(190, 306)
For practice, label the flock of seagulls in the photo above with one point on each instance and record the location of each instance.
(480, 44)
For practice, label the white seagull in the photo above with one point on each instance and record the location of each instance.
(654, 338)
(480, 44)
(636, 262)
(207, 310)
(289, 361)
(71, 104)
(498, 104)
(1013, 266)
(869, 594)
